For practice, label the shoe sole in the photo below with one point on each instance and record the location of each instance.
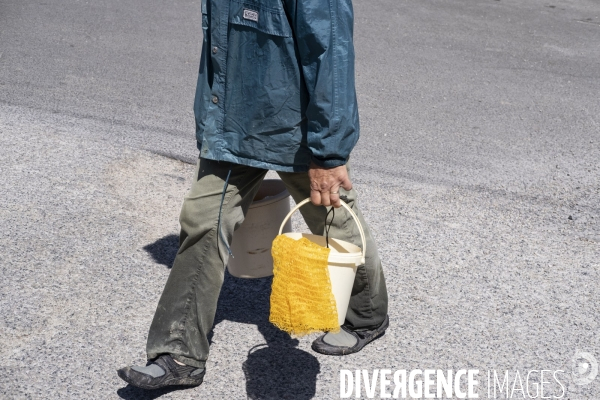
(186, 382)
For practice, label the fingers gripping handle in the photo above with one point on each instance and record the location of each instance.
(347, 207)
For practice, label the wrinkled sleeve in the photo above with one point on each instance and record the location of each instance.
(323, 32)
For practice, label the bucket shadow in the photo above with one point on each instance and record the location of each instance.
(276, 372)
(276, 369)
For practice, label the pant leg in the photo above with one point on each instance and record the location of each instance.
(187, 307)
(369, 301)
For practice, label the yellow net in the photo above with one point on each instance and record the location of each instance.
(301, 298)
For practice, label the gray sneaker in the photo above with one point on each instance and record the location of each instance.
(163, 371)
(362, 339)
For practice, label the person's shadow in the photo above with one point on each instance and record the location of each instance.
(276, 369)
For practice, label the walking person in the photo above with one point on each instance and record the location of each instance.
(275, 92)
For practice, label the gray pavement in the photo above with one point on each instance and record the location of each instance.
(478, 166)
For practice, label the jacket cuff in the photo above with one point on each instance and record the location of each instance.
(329, 162)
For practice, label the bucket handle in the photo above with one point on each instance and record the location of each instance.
(352, 213)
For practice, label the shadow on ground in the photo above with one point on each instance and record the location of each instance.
(164, 250)
(279, 372)
(132, 393)
(276, 369)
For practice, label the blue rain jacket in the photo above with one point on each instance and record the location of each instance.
(276, 83)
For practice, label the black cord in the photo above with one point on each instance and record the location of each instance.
(328, 227)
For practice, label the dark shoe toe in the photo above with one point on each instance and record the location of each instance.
(135, 378)
(175, 375)
(362, 339)
(322, 347)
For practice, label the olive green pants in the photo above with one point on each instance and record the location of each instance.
(212, 210)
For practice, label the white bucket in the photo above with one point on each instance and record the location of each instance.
(343, 259)
(251, 245)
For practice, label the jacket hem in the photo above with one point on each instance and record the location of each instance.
(254, 163)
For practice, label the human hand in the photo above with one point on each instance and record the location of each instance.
(325, 184)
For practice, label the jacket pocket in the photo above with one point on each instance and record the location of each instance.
(267, 19)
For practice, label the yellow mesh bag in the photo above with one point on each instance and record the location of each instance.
(301, 298)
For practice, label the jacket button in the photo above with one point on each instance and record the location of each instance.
(215, 49)
(215, 99)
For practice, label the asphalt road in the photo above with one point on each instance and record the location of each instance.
(478, 166)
